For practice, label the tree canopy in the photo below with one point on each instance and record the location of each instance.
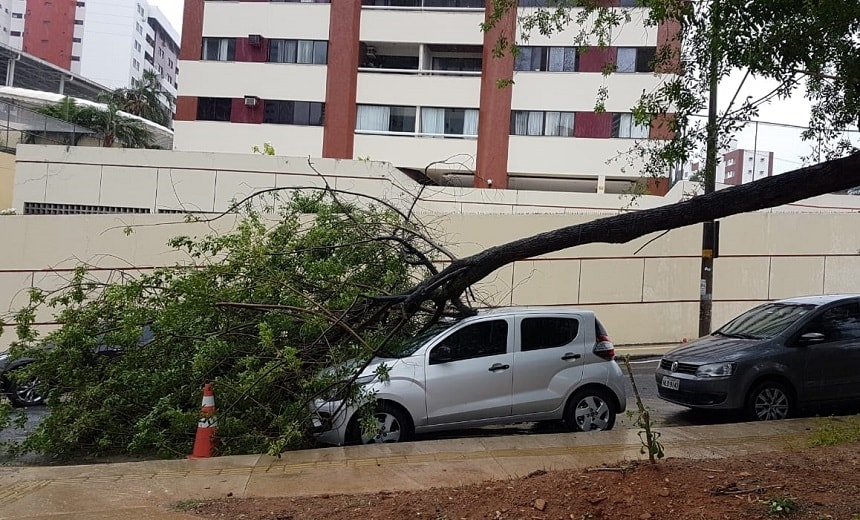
(799, 44)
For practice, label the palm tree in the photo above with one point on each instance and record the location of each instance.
(107, 122)
(146, 99)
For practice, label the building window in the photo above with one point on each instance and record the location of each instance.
(214, 109)
(76, 58)
(305, 113)
(15, 33)
(377, 118)
(137, 46)
(17, 15)
(449, 121)
(547, 59)
(76, 40)
(298, 51)
(219, 49)
(636, 59)
(79, 22)
(137, 28)
(135, 64)
(542, 123)
(625, 127)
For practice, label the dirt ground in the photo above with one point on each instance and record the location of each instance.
(813, 483)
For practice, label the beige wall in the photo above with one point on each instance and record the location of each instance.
(7, 179)
(646, 296)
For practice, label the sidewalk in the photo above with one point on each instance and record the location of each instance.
(644, 351)
(146, 490)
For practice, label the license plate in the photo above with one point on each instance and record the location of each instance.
(670, 382)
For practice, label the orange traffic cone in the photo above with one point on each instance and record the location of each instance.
(204, 441)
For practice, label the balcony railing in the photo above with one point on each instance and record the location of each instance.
(425, 4)
(422, 72)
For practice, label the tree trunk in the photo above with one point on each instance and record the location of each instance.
(450, 283)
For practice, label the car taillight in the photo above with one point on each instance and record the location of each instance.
(604, 347)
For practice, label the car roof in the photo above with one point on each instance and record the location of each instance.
(819, 300)
(529, 309)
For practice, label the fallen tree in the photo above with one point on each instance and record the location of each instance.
(450, 283)
(271, 305)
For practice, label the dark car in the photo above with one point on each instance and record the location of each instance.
(23, 394)
(772, 360)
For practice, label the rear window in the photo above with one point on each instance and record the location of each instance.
(541, 333)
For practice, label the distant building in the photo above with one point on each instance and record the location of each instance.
(740, 166)
(111, 42)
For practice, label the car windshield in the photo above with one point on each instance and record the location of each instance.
(409, 346)
(765, 321)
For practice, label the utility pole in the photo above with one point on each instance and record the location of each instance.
(709, 228)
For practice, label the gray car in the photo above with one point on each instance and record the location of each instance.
(502, 366)
(772, 360)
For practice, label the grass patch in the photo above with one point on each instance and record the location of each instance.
(836, 430)
(187, 505)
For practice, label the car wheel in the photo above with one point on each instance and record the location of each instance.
(590, 410)
(770, 401)
(392, 423)
(23, 394)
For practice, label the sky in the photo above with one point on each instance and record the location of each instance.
(172, 9)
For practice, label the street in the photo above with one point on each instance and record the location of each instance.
(662, 414)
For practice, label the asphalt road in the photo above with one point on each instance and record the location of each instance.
(662, 414)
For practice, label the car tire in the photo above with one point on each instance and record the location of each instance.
(770, 401)
(591, 409)
(394, 424)
(22, 395)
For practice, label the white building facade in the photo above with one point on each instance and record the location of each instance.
(416, 85)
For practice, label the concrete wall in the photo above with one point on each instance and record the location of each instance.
(7, 179)
(646, 296)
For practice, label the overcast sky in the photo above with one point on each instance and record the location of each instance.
(173, 10)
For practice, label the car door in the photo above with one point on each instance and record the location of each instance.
(468, 374)
(548, 359)
(832, 368)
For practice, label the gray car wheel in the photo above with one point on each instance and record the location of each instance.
(590, 410)
(393, 425)
(770, 401)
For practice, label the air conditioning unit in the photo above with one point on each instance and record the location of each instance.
(251, 101)
(255, 39)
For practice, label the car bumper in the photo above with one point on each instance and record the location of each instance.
(329, 421)
(719, 393)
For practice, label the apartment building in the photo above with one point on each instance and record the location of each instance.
(111, 42)
(414, 83)
(739, 166)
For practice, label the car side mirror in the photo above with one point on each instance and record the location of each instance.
(811, 337)
(441, 354)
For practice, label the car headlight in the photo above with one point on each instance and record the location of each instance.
(716, 370)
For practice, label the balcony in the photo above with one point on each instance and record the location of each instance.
(424, 4)
(420, 59)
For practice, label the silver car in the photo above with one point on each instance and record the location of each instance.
(501, 366)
